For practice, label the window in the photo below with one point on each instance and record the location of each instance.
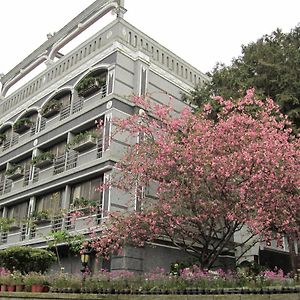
(58, 149)
(65, 100)
(87, 190)
(18, 212)
(50, 202)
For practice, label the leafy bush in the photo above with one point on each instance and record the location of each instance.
(26, 259)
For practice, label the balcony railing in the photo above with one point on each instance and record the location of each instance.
(69, 160)
(66, 112)
(29, 231)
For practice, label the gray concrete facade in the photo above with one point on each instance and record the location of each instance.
(130, 63)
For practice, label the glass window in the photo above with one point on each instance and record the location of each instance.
(87, 190)
(58, 149)
(50, 202)
(18, 212)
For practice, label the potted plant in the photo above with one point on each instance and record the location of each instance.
(14, 172)
(83, 141)
(83, 205)
(40, 217)
(89, 85)
(15, 225)
(51, 108)
(5, 224)
(22, 125)
(4, 281)
(16, 282)
(36, 281)
(43, 160)
(2, 138)
(64, 282)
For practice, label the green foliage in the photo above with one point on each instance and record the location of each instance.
(13, 169)
(16, 278)
(26, 259)
(66, 280)
(5, 223)
(35, 278)
(21, 122)
(41, 215)
(270, 65)
(178, 266)
(88, 81)
(78, 138)
(83, 202)
(51, 105)
(42, 156)
(74, 241)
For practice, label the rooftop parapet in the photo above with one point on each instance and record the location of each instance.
(117, 33)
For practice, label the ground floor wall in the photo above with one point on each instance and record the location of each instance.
(138, 260)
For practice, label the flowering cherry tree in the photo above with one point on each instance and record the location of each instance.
(210, 178)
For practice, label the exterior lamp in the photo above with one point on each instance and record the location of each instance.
(85, 257)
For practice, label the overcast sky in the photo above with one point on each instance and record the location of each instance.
(201, 32)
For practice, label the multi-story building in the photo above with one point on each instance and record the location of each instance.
(52, 154)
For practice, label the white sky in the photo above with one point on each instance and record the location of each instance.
(201, 32)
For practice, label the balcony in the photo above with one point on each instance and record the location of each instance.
(52, 108)
(43, 160)
(83, 142)
(2, 138)
(69, 160)
(22, 125)
(89, 86)
(15, 172)
(34, 229)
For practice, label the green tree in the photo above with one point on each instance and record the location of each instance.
(271, 65)
(26, 259)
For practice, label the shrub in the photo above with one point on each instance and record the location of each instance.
(26, 259)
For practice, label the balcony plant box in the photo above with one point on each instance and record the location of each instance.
(89, 85)
(43, 160)
(51, 108)
(14, 226)
(83, 141)
(15, 172)
(41, 217)
(22, 125)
